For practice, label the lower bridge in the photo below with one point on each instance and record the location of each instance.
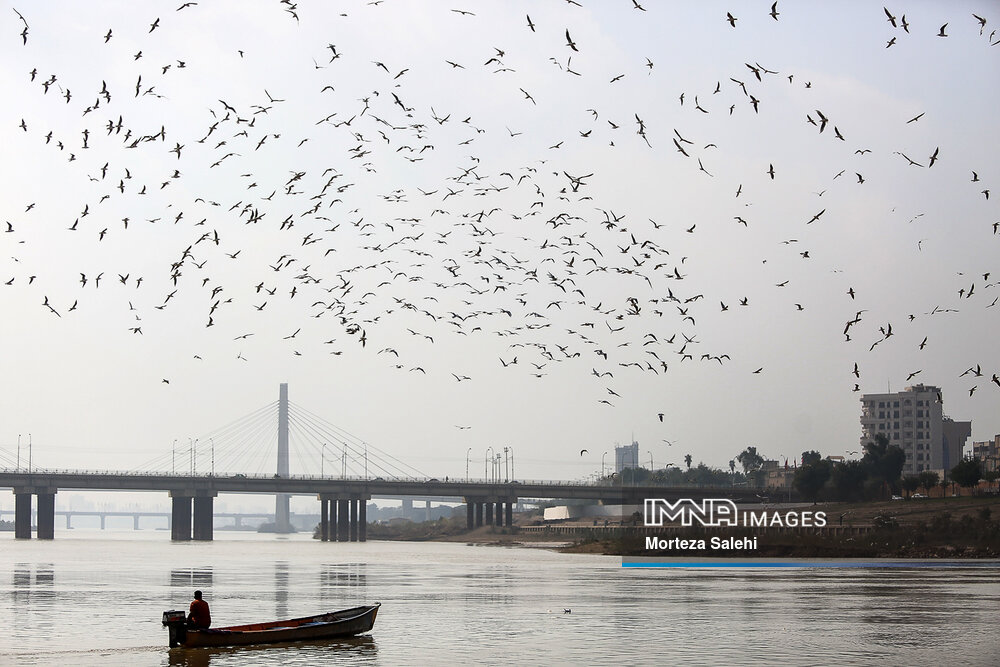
(104, 515)
(342, 501)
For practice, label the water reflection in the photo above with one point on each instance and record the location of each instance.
(281, 589)
(298, 653)
(193, 577)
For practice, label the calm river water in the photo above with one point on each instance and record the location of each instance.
(95, 598)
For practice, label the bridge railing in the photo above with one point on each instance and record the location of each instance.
(349, 478)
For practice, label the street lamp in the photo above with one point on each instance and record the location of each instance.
(467, 454)
(212, 442)
(487, 463)
(322, 460)
(602, 464)
(650, 460)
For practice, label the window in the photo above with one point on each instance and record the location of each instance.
(895, 436)
(895, 413)
(895, 404)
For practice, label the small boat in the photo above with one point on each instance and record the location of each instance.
(344, 623)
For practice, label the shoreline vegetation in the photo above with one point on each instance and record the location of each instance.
(964, 527)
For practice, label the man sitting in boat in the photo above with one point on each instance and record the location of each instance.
(199, 615)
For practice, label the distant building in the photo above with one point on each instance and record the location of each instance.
(914, 421)
(626, 456)
(988, 454)
(778, 476)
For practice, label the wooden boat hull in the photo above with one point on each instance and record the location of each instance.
(343, 623)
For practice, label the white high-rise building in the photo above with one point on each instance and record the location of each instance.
(914, 421)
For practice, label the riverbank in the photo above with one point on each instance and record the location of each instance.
(921, 528)
(965, 527)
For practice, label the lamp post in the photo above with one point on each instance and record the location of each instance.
(650, 460)
(467, 454)
(29, 454)
(512, 463)
(487, 462)
(602, 464)
(19, 452)
(173, 458)
(212, 442)
(506, 464)
(322, 460)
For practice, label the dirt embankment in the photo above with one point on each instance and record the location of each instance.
(920, 528)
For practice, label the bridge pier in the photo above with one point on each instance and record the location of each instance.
(69, 526)
(46, 518)
(362, 520)
(479, 513)
(470, 515)
(45, 515)
(427, 511)
(510, 512)
(354, 519)
(202, 518)
(407, 509)
(499, 514)
(180, 527)
(324, 519)
(22, 515)
(181, 523)
(103, 518)
(343, 518)
(489, 513)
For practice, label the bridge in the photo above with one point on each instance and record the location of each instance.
(342, 499)
(136, 515)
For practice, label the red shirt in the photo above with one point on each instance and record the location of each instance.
(200, 616)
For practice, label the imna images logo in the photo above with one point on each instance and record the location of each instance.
(717, 512)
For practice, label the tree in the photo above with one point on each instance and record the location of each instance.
(884, 461)
(810, 479)
(910, 484)
(967, 473)
(687, 460)
(848, 480)
(810, 457)
(750, 460)
(928, 479)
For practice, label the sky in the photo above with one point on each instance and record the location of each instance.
(386, 204)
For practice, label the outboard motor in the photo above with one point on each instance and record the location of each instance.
(176, 622)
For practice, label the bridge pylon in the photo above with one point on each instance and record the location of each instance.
(282, 515)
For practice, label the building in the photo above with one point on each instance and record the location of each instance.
(988, 454)
(626, 456)
(914, 421)
(777, 476)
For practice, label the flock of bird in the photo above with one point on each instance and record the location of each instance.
(388, 225)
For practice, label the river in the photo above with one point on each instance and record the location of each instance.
(96, 598)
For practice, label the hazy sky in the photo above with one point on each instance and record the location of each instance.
(384, 204)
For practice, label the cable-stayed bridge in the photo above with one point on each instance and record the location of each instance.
(235, 457)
